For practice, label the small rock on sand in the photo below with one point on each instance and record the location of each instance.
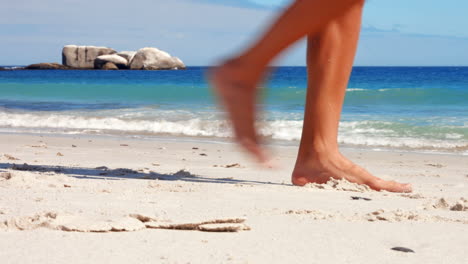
(442, 203)
(360, 198)
(183, 173)
(59, 154)
(403, 249)
(5, 175)
(461, 205)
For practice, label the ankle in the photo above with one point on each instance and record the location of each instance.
(319, 153)
(241, 71)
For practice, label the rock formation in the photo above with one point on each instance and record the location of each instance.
(82, 57)
(154, 59)
(178, 63)
(91, 57)
(128, 55)
(118, 61)
(109, 66)
(47, 66)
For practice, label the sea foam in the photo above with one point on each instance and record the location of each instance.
(352, 133)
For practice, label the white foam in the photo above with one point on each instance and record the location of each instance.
(362, 89)
(355, 89)
(355, 133)
(453, 136)
(192, 127)
(282, 129)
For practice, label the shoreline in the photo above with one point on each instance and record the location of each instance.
(390, 115)
(218, 140)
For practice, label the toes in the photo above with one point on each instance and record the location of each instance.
(406, 187)
(391, 186)
(399, 187)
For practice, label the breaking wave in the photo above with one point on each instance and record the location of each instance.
(374, 134)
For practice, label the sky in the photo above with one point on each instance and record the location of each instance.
(202, 32)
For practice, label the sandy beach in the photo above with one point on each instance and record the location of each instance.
(79, 199)
(118, 122)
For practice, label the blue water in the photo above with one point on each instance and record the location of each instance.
(415, 108)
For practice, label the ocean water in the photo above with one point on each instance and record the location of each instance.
(403, 108)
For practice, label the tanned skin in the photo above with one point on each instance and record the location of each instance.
(332, 30)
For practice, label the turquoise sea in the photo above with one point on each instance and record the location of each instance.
(403, 108)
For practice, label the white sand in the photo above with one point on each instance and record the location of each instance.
(117, 200)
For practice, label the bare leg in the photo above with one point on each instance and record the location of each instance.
(330, 56)
(335, 25)
(236, 80)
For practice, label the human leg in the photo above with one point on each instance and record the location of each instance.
(236, 80)
(330, 56)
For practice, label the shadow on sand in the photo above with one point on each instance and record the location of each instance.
(101, 173)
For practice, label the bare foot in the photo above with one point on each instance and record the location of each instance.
(237, 89)
(320, 170)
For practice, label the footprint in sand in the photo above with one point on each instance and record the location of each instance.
(442, 203)
(392, 216)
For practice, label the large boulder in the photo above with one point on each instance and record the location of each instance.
(178, 63)
(118, 61)
(46, 66)
(82, 57)
(109, 66)
(128, 55)
(154, 59)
